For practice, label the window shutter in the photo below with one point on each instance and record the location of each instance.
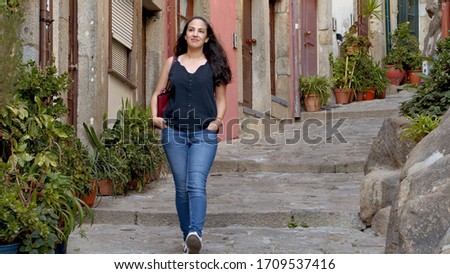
(119, 58)
(122, 22)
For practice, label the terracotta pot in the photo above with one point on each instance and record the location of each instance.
(369, 94)
(351, 96)
(359, 96)
(90, 198)
(155, 175)
(342, 95)
(105, 187)
(312, 102)
(414, 79)
(381, 95)
(394, 75)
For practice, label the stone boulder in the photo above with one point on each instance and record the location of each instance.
(389, 150)
(378, 190)
(445, 243)
(383, 168)
(381, 220)
(437, 141)
(420, 215)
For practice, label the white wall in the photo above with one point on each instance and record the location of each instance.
(343, 14)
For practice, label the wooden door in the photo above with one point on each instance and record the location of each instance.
(247, 44)
(308, 21)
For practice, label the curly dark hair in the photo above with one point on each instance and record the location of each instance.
(214, 53)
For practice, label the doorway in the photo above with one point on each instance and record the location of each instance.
(308, 36)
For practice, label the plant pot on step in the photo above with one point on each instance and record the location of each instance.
(369, 94)
(89, 199)
(155, 175)
(342, 95)
(9, 248)
(105, 187)
(380, 95)
(359, 96)
(312, 102)
(413, 78)
(394, 75)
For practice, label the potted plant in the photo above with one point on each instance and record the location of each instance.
(370, 78)
(133, 133)
(343, 69)
(315, 91)
(35, 173)
(111, 171)
(404, 54)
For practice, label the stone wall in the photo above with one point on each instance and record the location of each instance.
(406, 189)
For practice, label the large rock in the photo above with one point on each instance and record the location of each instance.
(445, 243)
(420, 217)
(378, 190)
(389, 151)
(437, 142)
(381, 220)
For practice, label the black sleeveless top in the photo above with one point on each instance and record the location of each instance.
(192, 104)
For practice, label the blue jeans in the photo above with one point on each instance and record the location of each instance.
(190, 156)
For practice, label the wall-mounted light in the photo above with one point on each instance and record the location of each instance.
(334, 23)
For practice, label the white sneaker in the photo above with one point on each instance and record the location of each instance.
(193, 243)
(185, 248)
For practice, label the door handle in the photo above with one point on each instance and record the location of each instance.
(308, 44)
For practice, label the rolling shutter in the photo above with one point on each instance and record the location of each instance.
(120, 58)
(122, 22)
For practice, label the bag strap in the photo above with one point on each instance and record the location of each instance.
(175, 58)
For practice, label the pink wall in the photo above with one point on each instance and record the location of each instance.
(223, 21)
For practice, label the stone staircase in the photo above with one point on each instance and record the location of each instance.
(295, 191)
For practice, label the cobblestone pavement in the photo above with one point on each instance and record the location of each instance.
(306, 177)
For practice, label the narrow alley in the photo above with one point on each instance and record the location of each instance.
(290, 192)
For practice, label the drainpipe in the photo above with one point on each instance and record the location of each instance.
(295, 97)
(445, 18)
(388, 24)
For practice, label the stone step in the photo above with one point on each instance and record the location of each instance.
(140, 239)
(259, 199)
(339, 147)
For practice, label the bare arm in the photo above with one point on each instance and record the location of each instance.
(221, 104)
(163, 78)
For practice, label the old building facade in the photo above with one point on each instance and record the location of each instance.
(114, 49)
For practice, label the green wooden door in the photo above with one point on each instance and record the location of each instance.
(409, 11)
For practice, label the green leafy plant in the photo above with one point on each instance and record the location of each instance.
(420, 127)
(108, 162)
(404, 52)
(370, 74)
(315, 84)
(34, 144)
(292, 222)
(433, 96)
(371, 9)
(343, 70)
(134, 135)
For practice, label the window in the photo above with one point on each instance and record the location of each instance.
(185, 10)
(121, 40)
(409, 11)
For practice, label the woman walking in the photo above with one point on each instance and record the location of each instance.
(199, 74)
